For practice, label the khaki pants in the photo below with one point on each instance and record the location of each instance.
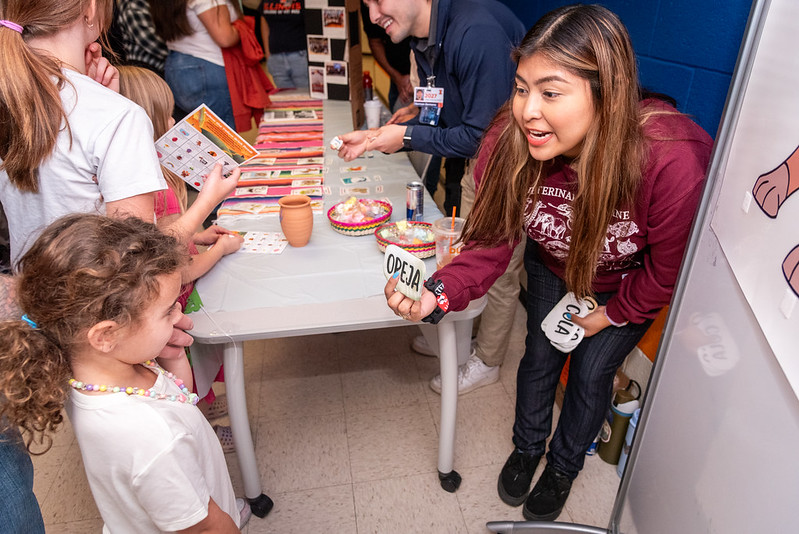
(493, 333)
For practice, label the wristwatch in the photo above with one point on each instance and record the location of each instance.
(442, 302)
(406, 138)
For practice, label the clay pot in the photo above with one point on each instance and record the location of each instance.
(296, 219)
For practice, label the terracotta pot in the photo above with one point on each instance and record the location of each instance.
(296, 219)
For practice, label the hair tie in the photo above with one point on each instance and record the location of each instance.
(29, 321)
(11, 25)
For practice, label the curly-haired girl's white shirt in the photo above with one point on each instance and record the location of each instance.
(152, 464)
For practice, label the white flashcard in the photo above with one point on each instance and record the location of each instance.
(251, 191)
(354, 168)
(350, 191)
(311, 161)
(349, 180)
(410, 268)
(563, 333)
(306, 172)
(308, 182)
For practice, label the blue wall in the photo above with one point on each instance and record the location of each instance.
(686, 48)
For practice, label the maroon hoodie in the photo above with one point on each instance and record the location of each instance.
(643, 247)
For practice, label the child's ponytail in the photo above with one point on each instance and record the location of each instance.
(31, 112)
(34, 387)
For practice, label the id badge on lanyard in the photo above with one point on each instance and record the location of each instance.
(430, 100)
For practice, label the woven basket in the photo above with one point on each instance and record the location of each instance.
(362, 228)
(420, 250)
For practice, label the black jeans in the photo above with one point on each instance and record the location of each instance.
(591, 371)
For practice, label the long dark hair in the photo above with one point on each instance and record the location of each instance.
(591, 42)
(170, 18)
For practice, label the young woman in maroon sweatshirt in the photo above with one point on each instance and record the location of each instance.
(603, 185)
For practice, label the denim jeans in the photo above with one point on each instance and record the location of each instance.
(289, 69)
(591, 370)
(195, 81)
(19, 511)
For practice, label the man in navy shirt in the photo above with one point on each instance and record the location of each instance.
(460, 46)
(463, 48)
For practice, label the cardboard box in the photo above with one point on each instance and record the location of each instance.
(334, 52)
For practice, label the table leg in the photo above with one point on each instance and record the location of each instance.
(450, 479)
(240, 425)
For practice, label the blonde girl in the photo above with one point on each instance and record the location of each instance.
(148, 90)
(99, 302)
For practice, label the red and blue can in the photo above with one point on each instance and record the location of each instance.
(414, 201)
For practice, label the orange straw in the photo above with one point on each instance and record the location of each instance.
(452, 227)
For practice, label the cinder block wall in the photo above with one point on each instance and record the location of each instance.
(686, 49)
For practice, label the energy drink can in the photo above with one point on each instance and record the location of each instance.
(414, 201)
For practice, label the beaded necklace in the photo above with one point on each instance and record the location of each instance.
(186, 396)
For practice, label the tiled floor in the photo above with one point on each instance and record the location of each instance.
(346, 434)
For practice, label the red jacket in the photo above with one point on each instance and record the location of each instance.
(247, 82)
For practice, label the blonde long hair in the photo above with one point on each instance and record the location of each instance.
(31, 112)
(147, 89)
(591, 42)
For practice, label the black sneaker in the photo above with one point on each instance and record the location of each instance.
(548, 496)
(516, 476)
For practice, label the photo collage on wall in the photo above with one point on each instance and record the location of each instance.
(328, 25)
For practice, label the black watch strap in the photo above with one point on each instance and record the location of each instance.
(406, 138)
(442, 302)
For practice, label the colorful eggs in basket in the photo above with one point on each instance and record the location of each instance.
(414, 236)
(358, 216)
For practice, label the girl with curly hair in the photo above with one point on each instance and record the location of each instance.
(99, 301)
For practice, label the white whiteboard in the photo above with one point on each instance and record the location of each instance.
(767, 133)
(716, 445)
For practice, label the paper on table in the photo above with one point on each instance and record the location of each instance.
(411, 271)
(263, 242)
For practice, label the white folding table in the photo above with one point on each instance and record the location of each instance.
(333, 284)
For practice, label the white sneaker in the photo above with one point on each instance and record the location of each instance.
(471, 375)
(245, 512)
(421, 346)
